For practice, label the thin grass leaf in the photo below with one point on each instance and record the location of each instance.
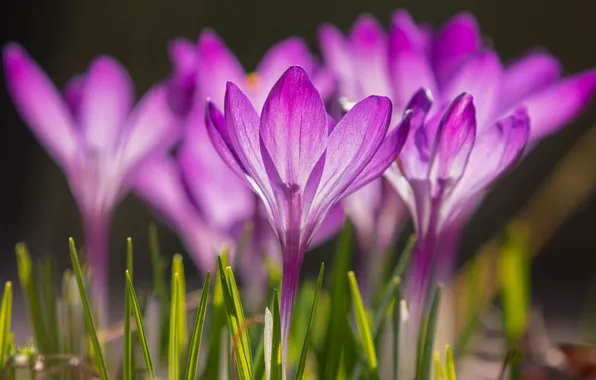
(396, 325)
(195, 342)
(127, 367)
(404, 258)
(136, 311)
(366, 341)
(5, 320)
(48, 295)
(276, 359)
(336, 325)
(160, 288)
(438, 367)
(244, 239)
(90, 324)
(174, 344)
(25, 269)
(245, 336)
(515, 282)
(259, 360)
(449, 364)
(178, 267)
(217, 333)
(427, 338)
(311, 319)
(236, 324)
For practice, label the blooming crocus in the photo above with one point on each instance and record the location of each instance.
(299, 161)
(445, 165)
(451, 61)
(196, 192)
(95, 135)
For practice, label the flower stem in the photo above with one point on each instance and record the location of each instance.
(291, 272)
(97, 230)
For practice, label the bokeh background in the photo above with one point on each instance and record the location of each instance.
(65, 35)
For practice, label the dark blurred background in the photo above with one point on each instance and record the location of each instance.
(65, 35)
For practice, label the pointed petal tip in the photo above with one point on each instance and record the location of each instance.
(421, 100)
(14, 57)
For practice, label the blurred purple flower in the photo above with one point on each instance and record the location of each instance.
(447, 63)
(299, 161)
(196, 193)
(95, 135)
(445, 166)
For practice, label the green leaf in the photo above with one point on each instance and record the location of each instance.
(5, 319)
(136, 311)
(90, 324)
(311, 319)
(25, 269)
(366, 341)
(404, 258)
(396, 325)
(449, 364)
(195, 342)
(336, 325)
(127, 368)
(160, 286)
(178, 267)
(259, 361)
(426, 338)
(174, 343)
(236, 322)
(515, 282)
(276, 359)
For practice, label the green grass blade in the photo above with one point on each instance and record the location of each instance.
(396, 325)
(245, 336)
(25, 269)
(276, 365)
(236, 324)
(311, 319)
(217, 333)
(160, 288)
(336, 325)
(439, 375)
(174, 344)
(404, 258)
(449, 364)
(90, 324)
(49, 307)
(127, 367)
(366, 341)
(5, 319)
(178, 267)
(136, 311)
(195, 342)
(259, 361)
(427, 338)
(515, 283)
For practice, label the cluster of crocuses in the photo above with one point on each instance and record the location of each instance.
(389, 121)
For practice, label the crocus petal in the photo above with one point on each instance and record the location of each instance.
(330, 226)
(480, 76)
(557, 105)
(289, 52)
(387, 153)
(338, 57)
(106, 102)
(152, 128)
(294, 126)
(73, 91)
(458, 39)
(410, 69)
(369, 47)
(415, 154)
(183, 55)
(216, 66)
(39, 103)
(527, 76)
(453, 144)
(498, 148)
(351, 145)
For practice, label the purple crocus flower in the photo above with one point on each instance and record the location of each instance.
(445, 166)
(299, 161)
(451, 61)
(95, 135)
(196, 193)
